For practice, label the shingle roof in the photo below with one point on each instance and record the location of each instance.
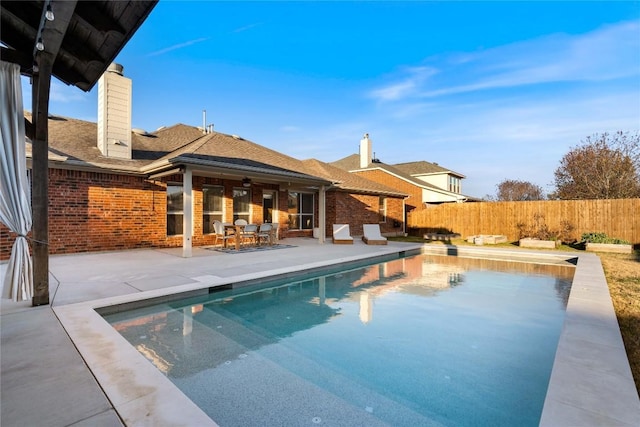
(347, 181)
(424, 168)
(74, 142)
(352, 163)
(348, 163)
(219, 148)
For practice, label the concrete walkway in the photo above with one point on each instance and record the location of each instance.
(46, 351)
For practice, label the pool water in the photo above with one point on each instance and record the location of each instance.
(423, 340)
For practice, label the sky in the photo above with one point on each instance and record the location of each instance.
(491, 90)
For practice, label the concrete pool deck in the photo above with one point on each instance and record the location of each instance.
(63, 365)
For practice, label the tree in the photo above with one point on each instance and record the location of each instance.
(514, 190)
(603, 167)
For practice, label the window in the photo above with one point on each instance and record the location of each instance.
(174, 210)
(454, 184)
(242, 204)
(382, 209)
(212, 207)
(300, 209)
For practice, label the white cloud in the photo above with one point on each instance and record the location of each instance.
(245, 28)
(607, 53)
(178, 46)
(406, 86)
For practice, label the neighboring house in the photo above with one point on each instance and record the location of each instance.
(112, 187)
(424, 182)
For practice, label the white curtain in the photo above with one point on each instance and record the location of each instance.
(15, 193)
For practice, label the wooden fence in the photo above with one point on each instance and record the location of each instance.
(619, 218)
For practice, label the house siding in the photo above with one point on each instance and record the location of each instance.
(415, 193)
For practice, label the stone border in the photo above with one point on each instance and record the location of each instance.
(615, 248)
(528, 242)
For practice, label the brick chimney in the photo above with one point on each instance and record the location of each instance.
(114, 113)
(365, 151)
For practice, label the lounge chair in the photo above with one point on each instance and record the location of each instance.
(341, 234)
(372, 235)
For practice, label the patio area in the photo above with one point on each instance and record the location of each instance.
(46, 380)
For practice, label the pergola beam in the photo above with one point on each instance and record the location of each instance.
(52, 36)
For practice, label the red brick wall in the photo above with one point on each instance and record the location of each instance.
(359, 209)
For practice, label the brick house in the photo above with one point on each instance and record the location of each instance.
(112, 187)
(426, 183)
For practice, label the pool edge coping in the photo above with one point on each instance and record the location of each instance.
(142, 395)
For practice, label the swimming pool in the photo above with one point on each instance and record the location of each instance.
(422, 340)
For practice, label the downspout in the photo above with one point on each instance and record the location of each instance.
(187, 213)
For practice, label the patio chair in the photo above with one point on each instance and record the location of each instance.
(249, 234)
(221, 234)
(372, 235)
(264, 234)
(341, 234)
(275, 232)
(240, 221)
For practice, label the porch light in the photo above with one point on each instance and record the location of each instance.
(246, 182)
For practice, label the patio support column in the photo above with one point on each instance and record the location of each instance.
(187, 212)
(322, 214)
(404, 214)
(40, 92)
(40, 179)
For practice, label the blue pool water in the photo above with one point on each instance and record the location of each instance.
(423, 340)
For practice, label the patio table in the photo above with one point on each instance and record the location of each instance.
(234, 229)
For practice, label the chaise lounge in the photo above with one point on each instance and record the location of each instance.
(372, 235)
(341, 234)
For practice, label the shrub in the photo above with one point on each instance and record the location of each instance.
(539, 229)
(602, 238)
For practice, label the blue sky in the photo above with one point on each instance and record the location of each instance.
(492, 90)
